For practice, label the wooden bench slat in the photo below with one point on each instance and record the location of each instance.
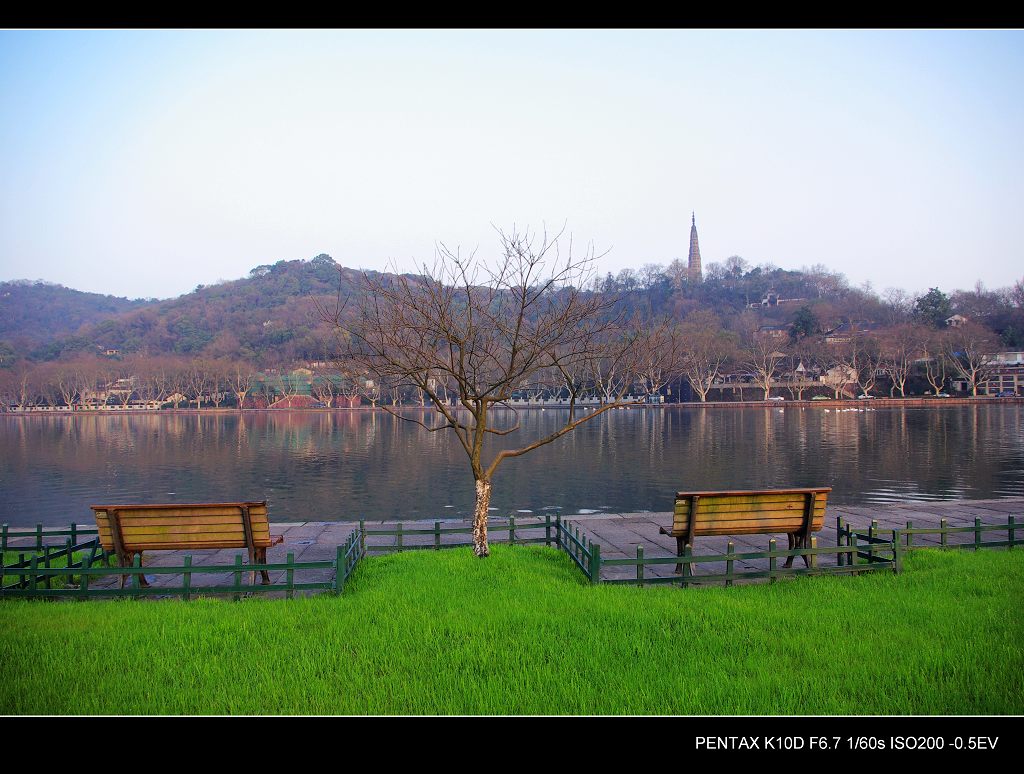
(752, 508)
(747, 501)
(747, 527)
(184, 533)
(136, 520)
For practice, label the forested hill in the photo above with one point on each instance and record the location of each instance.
(267, 316)
(35, 312)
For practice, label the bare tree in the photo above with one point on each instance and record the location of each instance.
(934, 360)
(706, 348)
(900, 349)
(762, 355)
(664, 355)
(240, 381)
(485, 328)
(971, 349)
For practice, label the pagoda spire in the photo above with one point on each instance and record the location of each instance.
(694, 271)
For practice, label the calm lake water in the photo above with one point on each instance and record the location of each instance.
(362, 464)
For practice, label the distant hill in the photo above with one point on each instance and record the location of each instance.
(268, 316)
(35, 312)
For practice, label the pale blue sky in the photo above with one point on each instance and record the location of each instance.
(145, 163)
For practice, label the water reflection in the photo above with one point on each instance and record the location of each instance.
(350, 465)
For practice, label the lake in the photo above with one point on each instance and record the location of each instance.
(346, 465)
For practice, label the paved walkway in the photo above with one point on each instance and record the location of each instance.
(619, 535)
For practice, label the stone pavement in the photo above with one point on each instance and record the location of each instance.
(619, 534)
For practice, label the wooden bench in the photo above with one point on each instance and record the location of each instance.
(797, 512)
(127, 530)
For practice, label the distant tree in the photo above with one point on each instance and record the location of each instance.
(900, 348)
(899, 306)
(735, 266)
(760, 353)
(239, 381)
(933, 308)
(805, 324)
(706, 349)
(933, 349)
(665, 355)
(970, 349)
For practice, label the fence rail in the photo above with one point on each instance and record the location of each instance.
(944, 531)
(402, 533)
(35, 576)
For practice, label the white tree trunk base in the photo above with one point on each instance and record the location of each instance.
(483, 501)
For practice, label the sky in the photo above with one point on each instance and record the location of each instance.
(145, 163)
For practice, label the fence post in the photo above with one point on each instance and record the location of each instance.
(33, 568)
(39, 537)
(512, 530)
(640, 566)
(137, 576)
(872, 534)
(772, 564)
(3, 538)
(437, 535)
(943, 535)
(399, 537)
(291, 576)
(839, 540)
(362, 536)
(897, 554)
(339, 568)
(187, 596)
(67, 547)
(814, 557)
(547, 529)
(595, 562)
(46, 566)
(1009, 523)
(83, 587)
(687, 566)
(977, 534)
(730, 551)
(74, 534)
(910, 536)
(558, 530)
(238, 577)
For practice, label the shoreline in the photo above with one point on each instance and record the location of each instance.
(910, 402)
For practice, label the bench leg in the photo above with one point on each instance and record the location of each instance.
(261, 558)
(126, 561)
(796, 540)
(680, 545)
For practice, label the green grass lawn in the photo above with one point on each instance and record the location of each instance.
(522, 633)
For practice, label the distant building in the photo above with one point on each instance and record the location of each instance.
(774, 331)
(693, 266)
(1006, 374)
(844, 333)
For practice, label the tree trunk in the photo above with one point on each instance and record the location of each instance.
(483, 500)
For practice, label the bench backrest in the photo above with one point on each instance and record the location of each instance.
(182, 525)
(750, 512)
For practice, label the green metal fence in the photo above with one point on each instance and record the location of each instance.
(944, 531)
(858, 554)
(406, 539)
(34, 575)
